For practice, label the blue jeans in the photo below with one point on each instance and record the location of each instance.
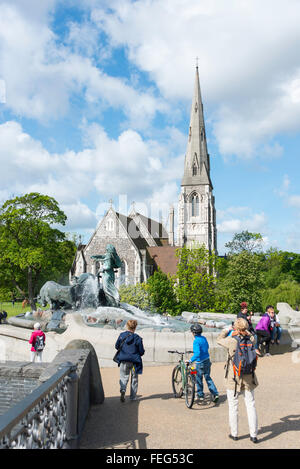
(203, 369)
(276, 333)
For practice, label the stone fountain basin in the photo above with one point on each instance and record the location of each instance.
(14, 342)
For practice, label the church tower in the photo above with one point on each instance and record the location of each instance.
(196, 208)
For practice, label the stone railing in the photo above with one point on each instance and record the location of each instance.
(44, 418)
(49, 401)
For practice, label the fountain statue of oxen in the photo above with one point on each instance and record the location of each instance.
(88, 291)
(58, 296)
(85, 291)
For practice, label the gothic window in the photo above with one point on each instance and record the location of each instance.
(195, 167)
(110, 225)
(195, 205)
(190, 133)
(196, 107)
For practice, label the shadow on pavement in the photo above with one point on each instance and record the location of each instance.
(286, 424)
(165, 396)
(113, 424)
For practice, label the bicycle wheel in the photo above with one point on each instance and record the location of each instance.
(177, 381)
(190, 391)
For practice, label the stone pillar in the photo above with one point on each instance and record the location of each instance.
(171, 227)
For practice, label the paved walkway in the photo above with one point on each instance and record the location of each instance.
(158, 421)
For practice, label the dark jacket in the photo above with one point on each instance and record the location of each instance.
(244, 316)
(132, 350)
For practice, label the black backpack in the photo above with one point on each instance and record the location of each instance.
(39, 343)
(245, 358)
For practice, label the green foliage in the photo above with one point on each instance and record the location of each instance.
(244, 281)
(245, 241)
(196, 279)
(31, 250)
(136, 295)
(5, 294)
(162, 293)
(275, 268)
(286, 292)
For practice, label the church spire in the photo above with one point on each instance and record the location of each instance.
(196, 166)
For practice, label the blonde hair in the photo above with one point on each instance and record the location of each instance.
(131, 324)
(241, 324)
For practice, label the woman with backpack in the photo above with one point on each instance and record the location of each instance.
(37, 341)
(240, 375)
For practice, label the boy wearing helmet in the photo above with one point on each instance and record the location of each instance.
(203, 364)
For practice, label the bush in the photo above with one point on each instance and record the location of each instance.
(136, 295)
(244, 281)
(285, 292)
(196, 279)
(162, 293)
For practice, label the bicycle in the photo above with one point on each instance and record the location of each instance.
(184, 380)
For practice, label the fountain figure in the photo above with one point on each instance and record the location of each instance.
(110, 261)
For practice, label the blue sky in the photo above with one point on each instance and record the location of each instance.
(95, 103)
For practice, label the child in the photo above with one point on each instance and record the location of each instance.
(203, 364)
(131, 349)
(37, 341)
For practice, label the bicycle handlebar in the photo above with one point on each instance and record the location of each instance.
(180, 353)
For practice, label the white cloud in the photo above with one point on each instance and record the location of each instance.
(42, 74)
(244, 220)
(248, 60)
(128, 165)
(294, 201)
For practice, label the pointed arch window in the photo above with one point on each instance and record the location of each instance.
(195, 165)
(195, 169)
(195, 205)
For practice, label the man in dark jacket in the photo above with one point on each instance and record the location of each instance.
(131, 349)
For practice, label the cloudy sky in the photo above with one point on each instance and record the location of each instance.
(95, 100)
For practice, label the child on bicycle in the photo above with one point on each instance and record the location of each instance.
(203, 364)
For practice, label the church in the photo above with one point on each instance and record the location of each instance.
(145, 245)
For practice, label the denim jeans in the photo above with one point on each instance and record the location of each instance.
(276, 333)
(127, 369)
(203, 369)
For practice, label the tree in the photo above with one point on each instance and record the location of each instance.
(136, 295)
(162, 293)
(30, 247)
(244, 281)
(196, 278)
(287, 291)
(245, 241)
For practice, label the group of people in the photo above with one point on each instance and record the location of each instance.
(240, 336)
(267, 330)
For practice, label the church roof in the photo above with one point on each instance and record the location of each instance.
(165, 258)
(132, 231)
(155, 228)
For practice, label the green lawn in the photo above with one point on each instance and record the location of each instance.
(17, 308)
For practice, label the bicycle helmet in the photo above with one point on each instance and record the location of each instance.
(196, 329)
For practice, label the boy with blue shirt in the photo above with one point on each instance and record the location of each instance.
(203, 364)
